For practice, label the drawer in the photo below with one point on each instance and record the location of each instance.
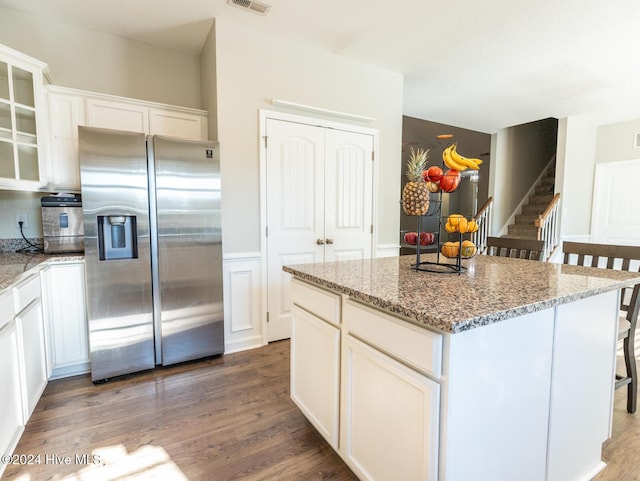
(320, 302)
(413, 345)
(26, 291)
(6, 307)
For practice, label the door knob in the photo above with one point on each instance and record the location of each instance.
(329, 241)
(320, 242)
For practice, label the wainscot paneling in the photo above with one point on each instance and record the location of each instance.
(242, 320)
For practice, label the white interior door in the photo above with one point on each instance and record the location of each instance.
(318, 205)
(616, 217)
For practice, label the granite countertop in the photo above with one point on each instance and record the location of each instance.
(15, 266)
(492, 289)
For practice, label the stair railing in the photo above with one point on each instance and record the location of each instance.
(547, 226)
(483, 219)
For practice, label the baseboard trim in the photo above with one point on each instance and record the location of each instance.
(71, 370)
(387, 250)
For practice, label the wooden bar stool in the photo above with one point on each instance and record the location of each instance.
(625, 258)
(512, 247)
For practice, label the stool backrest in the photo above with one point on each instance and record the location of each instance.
(512, 247)
(609, 256)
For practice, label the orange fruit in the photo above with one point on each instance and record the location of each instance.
(450, 249)
(468, 249)
(454, 219)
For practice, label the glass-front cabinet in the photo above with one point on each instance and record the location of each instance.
(21, 146)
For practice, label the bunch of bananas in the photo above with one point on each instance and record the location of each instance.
(458, 223)
(454, 160)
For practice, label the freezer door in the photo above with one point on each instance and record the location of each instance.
(113, 171)
(188, 261)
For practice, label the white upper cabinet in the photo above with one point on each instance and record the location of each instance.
(174, 123)
(118, 115)
(66, 113)
(22, 163)
(70, 108)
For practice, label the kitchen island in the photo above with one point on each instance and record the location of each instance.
(504, 372)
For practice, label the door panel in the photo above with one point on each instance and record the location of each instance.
(189, 249)
(389, 417)
(113, 172)
(295, 211)
(348, 195)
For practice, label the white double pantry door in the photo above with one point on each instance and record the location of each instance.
(319, 204)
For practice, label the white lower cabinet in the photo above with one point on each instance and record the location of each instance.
(30, 327)
(30, 336)
(11, 421)
(390, 417)
(376, 404)
(43, 328)
(64, 293)
(315, 372)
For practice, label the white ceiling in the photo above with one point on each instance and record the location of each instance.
(477, 64)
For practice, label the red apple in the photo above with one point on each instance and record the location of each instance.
(411, 238)
(426, 238)
(450, 180)
(433, 174)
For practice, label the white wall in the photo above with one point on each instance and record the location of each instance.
(616, 142)
(208, 81)
(12, 203)
(99, 62)
(254, 68)
(615, 213)
(574, 176)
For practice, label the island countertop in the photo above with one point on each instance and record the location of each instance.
(491, 290)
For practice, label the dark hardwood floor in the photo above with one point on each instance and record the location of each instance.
(227, 418)
(220, 419)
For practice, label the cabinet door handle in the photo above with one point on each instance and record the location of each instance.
(329, 240)
(320, 242)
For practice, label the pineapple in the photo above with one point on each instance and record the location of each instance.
(415, 195)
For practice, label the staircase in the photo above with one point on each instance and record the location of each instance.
(524, 225)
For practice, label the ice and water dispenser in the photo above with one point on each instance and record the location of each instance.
(117, 237)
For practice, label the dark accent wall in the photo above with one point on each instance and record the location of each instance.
(423, 133)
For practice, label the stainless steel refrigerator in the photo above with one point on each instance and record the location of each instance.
(153, 250)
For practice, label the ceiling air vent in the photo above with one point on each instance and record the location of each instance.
(257, 7)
